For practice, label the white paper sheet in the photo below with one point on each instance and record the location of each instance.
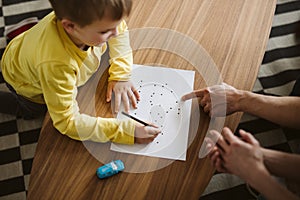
(160, 90)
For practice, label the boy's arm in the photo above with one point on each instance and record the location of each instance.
(120, 55)
(59, 88)
(120, 71)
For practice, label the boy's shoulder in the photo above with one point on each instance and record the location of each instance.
(23, 9)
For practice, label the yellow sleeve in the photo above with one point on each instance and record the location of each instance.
(59, 89)
(120, 54)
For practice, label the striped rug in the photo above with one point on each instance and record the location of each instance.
(18, 138)
(280, 67)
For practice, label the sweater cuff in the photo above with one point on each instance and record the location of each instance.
(126, 135)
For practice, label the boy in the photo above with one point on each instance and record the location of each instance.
(44, 66)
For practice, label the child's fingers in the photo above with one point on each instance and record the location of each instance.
(153, 125)
(117, 102)
(136, 93)
(125, 102)
(132, 99)
(108, 93)
(152, 130)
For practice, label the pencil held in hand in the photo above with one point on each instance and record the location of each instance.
(136, 119)
(143, 134)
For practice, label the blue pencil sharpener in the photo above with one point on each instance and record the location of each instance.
(110, 169)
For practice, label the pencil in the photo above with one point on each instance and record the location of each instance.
(134, 118)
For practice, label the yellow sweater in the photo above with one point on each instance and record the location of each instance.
(45, 66)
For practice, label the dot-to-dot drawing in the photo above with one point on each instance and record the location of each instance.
(160, 90)
(158, 115)
(158, 103)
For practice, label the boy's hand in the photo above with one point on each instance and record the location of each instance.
(145, 134)
(123, 91)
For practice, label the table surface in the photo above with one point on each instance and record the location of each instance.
(220, 40)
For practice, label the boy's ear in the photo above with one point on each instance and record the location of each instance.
(68, 25)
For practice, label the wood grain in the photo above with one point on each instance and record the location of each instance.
(231, 36)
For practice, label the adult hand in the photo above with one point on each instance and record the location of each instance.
(240, 156)
(218, 100)
(124, 91)
(145, 134)
(244, 157)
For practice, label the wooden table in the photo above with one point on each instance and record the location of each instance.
(234, 35)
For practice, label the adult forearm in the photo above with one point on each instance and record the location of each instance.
(284, 111)
(270, 188)
(282, 164)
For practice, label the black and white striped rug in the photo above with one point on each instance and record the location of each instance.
(280, 67)
(18, 138)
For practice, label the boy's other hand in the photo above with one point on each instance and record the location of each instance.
(124, 91)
